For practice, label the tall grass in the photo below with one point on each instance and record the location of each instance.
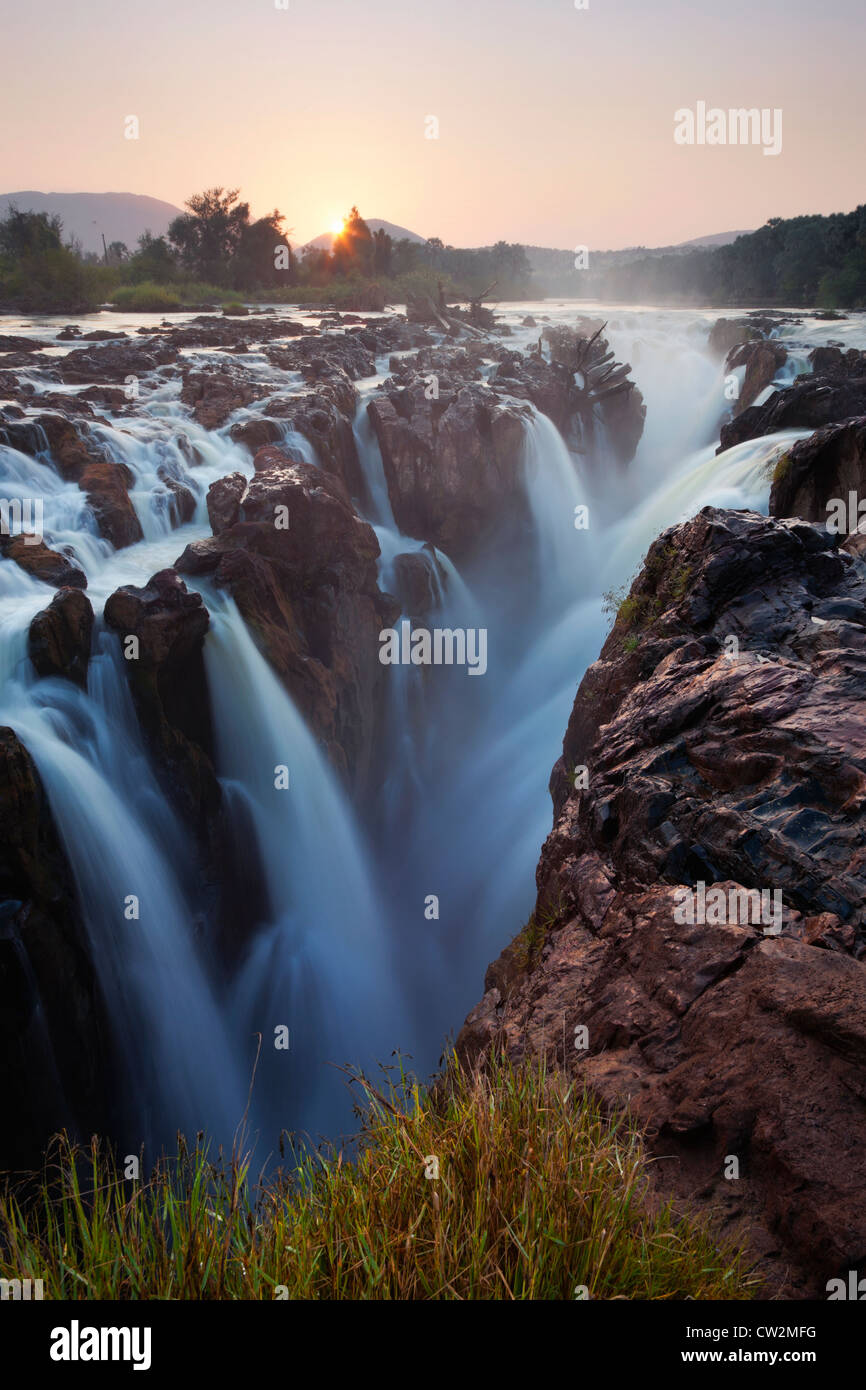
(538, 1196)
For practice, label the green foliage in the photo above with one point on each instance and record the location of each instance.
(783, 463)
(538, 1192)
(147, 298)
(799, 261)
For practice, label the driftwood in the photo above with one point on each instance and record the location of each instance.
(422, 308)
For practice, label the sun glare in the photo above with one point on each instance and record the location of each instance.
(337, 227)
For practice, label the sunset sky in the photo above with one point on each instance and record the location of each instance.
(555, 124)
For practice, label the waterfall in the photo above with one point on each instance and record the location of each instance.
(336, 945)
(177, 1062)
(321, 966)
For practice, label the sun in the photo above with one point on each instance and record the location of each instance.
(337, 227)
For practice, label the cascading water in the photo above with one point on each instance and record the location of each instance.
(321, 965)
(339, 948)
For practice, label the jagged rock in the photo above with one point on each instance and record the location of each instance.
(828, 465)
(741, 766)
(727, 334)
(762, 361)
(224, 502)
(215, 395)
(833, 361)
(113, 363)
(59, 642)
(50, 566)
(810, 403)
(48, 991)
(68, 451)
(183, 503)
(419, 580)
(257, 433)
(106, 487)
(309, 592)
(169, 686)
(452, 464)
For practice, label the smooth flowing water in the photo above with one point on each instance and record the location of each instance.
(343, 950)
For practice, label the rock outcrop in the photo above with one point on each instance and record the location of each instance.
(453, 462)
(812, 402)
(165, 667)
(107, 487)
(48, 991)
(814, 472)
(60, 636)
(301, 566)
(718, 741)
(52, 567)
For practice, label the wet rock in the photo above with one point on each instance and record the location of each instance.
(60, 636)
(165, 668)
(217, 394)
(224, 502)
(452, 464)
(106, 486)
(810, 403)
(54, 1069)
(50, 566)
(34, 435)
(721, 731)
(114, 362)
(727, 334)
(183, 502)
(815, 471)
(255, 434)
(419, 581)
(762, 361)
(301, 566)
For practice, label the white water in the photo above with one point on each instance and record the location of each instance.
(343, 953)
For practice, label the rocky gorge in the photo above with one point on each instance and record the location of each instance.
(300, 486)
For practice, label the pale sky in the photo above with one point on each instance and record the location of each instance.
(555, 124)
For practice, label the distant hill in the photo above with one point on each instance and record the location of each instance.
(86, 216)
(325, 241)
(718, 239)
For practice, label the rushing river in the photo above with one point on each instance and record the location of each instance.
(346, 954)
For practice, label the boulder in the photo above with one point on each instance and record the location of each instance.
(809, 403)
(50, 566)
(59, 640)
(214, 395)
(167, 678)
(826, 466)
(762, 361)
(301, 566)
(453, 465)
(106, 487)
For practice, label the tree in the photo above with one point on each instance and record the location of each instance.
(29, 233)
(208, 236)
(383, 247)
(353, 251)
(154, 260)
(264, 257)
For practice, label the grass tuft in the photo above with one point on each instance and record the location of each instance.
(538, 1195)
